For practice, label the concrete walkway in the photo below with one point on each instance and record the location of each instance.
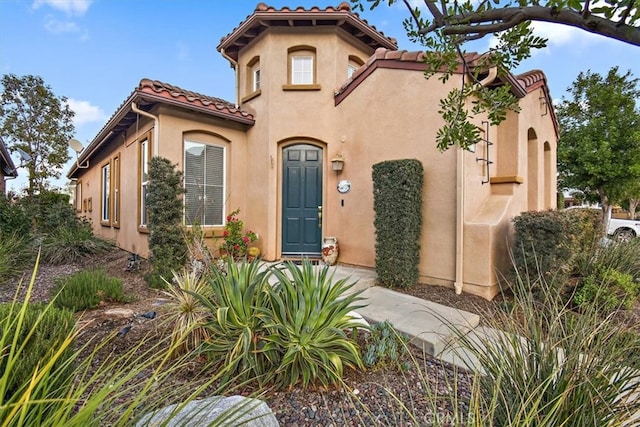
(430, 326)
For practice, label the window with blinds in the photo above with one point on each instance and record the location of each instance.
(204, 184)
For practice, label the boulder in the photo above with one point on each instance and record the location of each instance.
(234, 410)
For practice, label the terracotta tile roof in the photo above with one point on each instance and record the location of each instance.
(532, 79)
(183, 96)
(152, 92)
(265, 17)
(389, 58)
(6, 163)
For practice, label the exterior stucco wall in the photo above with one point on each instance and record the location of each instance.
(287, 117)
(173, 128)
(402, 126)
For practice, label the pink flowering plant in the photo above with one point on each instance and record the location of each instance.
(236, 241)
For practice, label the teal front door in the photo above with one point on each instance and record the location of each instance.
(302, 200)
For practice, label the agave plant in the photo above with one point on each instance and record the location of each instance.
(308, 324)
(237, 324)
(186, 311)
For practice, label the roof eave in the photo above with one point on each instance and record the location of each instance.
(262, 18)
(141, 95)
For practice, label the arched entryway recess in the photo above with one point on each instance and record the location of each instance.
(302, 199)
(533, 165)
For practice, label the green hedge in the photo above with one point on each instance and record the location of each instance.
(547, 243)
(397, 193)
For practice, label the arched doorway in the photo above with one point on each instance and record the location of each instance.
(301, 200)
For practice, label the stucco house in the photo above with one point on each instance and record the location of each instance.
(7, 167)
(312, 86)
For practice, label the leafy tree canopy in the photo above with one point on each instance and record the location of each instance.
(446, 26)
(599, 147)
(36, 121)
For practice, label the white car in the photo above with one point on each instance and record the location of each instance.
(622, 230)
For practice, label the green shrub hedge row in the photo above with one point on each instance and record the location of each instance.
(397, 195)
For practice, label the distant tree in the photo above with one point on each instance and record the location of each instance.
(632, 198)
(37, 122)
(450, 24)
(599, 147)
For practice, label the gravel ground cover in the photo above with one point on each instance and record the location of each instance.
(420, 395)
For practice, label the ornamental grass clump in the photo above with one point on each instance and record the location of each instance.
(48, 381)
(546, 364)
(87, 289)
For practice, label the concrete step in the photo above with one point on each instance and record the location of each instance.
(428, 324)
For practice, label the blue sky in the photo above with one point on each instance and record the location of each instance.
(95, 52)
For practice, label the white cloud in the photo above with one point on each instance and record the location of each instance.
(55, 26)
(70, 7)
(563, 35)
(85, 112)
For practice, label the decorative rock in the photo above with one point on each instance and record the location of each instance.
(119, 312)
(236, 410)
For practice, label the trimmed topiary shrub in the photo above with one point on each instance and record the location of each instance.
(87, 289)
(397, 202)
(167, 247)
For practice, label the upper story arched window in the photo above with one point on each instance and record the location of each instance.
(354, 64)
(302, 65)
(253, 74)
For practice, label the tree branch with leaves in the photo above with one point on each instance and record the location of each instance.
(444, 27)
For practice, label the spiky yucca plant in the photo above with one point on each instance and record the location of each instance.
(308, 324)
(237, 322)
(186, 312)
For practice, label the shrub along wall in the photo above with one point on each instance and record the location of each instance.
(397, 195)
(167, 247)
(545, 242)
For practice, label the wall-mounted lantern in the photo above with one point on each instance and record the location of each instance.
(337, 163)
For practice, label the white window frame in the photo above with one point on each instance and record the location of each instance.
(105, 197)
(255, 72)
(302, 70)
(144, 183)
(188, 179)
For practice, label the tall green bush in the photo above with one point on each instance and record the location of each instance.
(14, 255)
(14, 217)
(397, 202)
(547, 242)
(168, 250)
